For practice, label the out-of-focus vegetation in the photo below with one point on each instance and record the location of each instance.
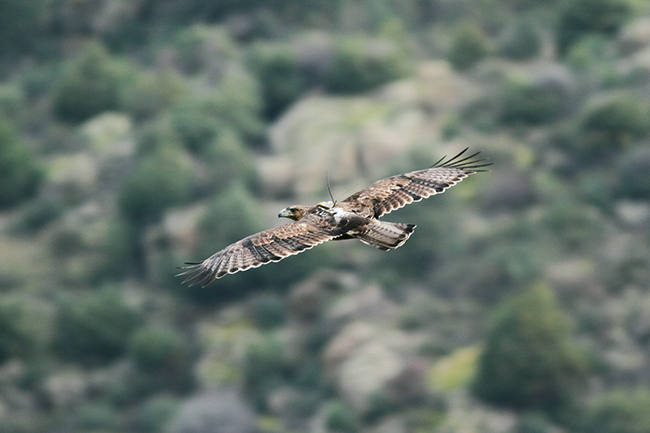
(136, 135)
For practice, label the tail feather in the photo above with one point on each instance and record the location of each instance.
(386, 235)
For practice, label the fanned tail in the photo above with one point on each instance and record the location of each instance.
(386, 235)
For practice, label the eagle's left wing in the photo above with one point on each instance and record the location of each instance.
(264, 247)
(394, 192)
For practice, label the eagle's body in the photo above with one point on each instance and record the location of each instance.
(355, 217)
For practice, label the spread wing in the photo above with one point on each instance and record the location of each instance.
(392, 193)
(268, 246)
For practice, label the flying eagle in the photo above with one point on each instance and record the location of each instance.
(355, 217)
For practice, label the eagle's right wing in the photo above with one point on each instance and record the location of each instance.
(264, 247)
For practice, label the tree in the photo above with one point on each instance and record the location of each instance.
(162, 179)
(156, 348)
(22, 327)
(468, 47)
(530, 361)
(583, 17)
(632, 165)
(521, 41)
(88, 87)
(341, 418)
(162, 357)
(619, 412)
(197, 120)
(612, 123)
(265, 368)
(525, 103)
(277, 69)
(95, 328)
(19, 23)
(359, 65)
(19, 172)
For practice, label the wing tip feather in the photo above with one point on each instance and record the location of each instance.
(467, 164)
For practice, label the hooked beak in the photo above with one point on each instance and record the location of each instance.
(285, 213)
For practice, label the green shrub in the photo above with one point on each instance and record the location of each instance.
(241, 106)
(199, 46)
(482, 114)
(38, 214)
(308, 11)
(162, 262)
(611, 124)
(599, 187)
(66, 241)
(380, 404)
(19, 423)
(89, 86)
(524, 103)
(95, 328)
(21, 24)
(451, 127)
(359, 65)
(197, 120)
(155, 414)
(619, 412)
(309, 376)
(633, 166)
(38, 81)
(94, 417)
(265, 358)
(530, 360)
(579, 18)
(534, 422)
(157, 348)
(521, 41)
(229, 161)
(156, 135)
(99, 252)
(424, 419)
(304, 405)
(468, 47)
(163, 360)
(594, 58)
(20, 175)
(575, 225)
(12, 102)
(276, 67)
(341, 418)
(161, 179)
(116, 250)
(151, 92)
(23, 328)
(269, 311)
(265, 368)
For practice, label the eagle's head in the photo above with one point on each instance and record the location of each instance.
(294, 212)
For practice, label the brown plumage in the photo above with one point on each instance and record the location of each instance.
(355, 217)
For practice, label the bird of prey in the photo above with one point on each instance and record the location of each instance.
(356, 217)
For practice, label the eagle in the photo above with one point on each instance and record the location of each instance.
(356, 217)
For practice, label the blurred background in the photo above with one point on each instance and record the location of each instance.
(139, 134)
